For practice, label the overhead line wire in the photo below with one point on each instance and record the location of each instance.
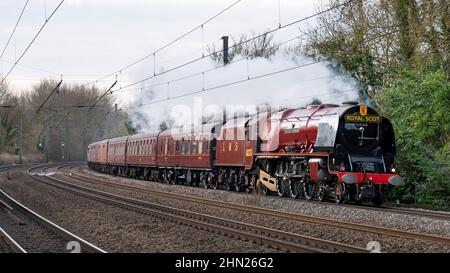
(235, 45)
(31, 43)
(172, 42)
(14, 29)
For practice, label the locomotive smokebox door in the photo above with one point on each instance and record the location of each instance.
(327, 132)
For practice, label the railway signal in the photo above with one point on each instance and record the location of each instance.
(62, 150)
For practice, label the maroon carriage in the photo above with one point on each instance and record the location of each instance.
(141, 155)
(98, 155)
(116, 155)
(187, 155)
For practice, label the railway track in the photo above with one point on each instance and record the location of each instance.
(267, 212)
(262, 235)
(8, 167)
(414, 212)
(34, 233)
(8, 244)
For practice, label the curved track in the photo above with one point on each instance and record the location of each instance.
(26, 231)
(270, 212)
(11, 244)
(408, 211)
(275, 238)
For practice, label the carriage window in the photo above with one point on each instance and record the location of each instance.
(166, 146)
(188, 148)
(194, 147)
(182, 147)
(200, 147)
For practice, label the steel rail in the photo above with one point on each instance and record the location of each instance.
(43, 221)
(11, 242)
(263, 235)
(277, 213)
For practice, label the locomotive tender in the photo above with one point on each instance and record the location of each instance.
(326, 151)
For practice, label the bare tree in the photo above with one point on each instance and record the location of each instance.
(258, 46)
(67, 120)
(371, 38)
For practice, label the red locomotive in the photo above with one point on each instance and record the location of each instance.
(324, 151)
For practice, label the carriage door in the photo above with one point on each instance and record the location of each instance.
(212, 150)
(249, 148)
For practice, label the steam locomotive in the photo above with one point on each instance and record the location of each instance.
(340, 152)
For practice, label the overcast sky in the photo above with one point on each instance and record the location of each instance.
(87, 39)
